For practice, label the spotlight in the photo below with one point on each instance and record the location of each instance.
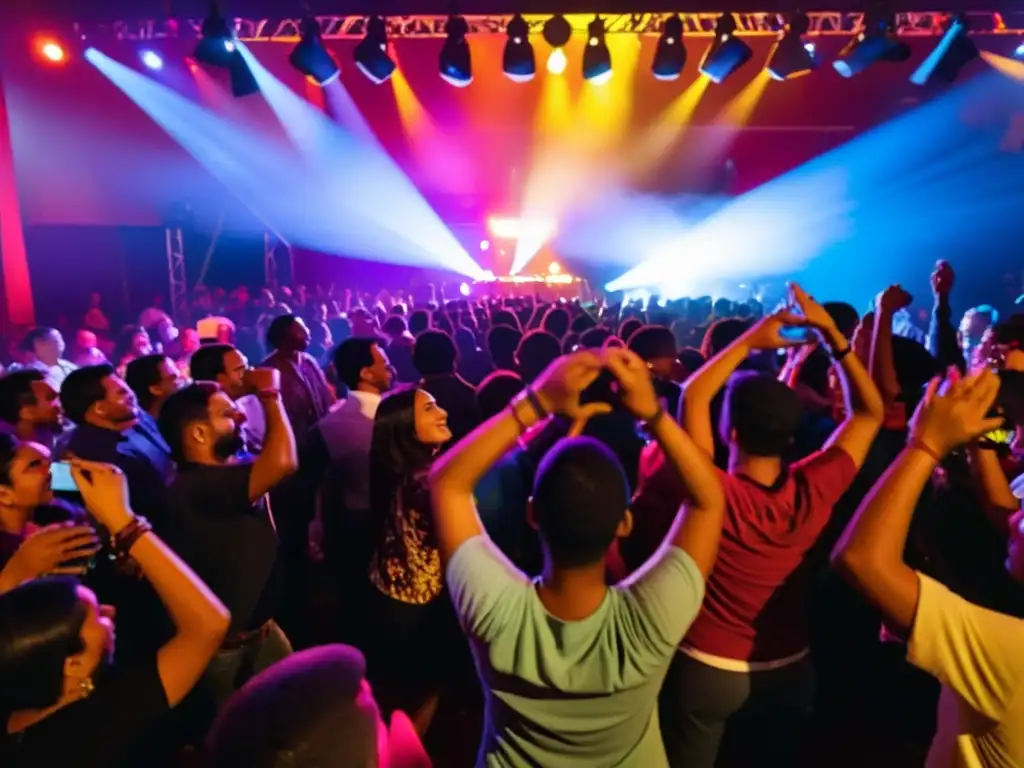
(1018, 52)
(954, 50)
(790, 57)
(151, 60)
(455, 64)
(518, 61)
(216, 47)
(464, 289)
(371, 54)
(597, 59)
(876, 42)
(485, 245)
(311, 58)
(51, 51)
(557, 32)
(727, 53)
(670, 55)
(243, 82)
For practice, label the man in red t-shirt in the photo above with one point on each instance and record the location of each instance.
(744, 662)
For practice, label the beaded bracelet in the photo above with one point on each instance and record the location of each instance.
(123, 541)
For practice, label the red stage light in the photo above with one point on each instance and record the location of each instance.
(50, 50)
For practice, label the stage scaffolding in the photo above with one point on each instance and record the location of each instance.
(337, 27)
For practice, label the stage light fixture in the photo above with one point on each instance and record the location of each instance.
(727, 53)
(518, 60)
(876, 42)
(243, 81)
(311, 58)
(151, 60)
(455, 63)
(371, 53)
(597, 59)
(1018, 52)
(557, 32)
(51, 50)
(670, 55)
(485, 245)
(953, 52)
(790, 56)
(216, 46)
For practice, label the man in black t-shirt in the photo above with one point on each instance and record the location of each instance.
(220, 522)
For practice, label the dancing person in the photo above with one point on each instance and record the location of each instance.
(221, 525)
(974, 652)
(411, 629)
(66, 698)
(745, 661)
(571, 667)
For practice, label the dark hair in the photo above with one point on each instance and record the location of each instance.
(496, 392)
(8, 447)
(691, 358)
(721, 333)
(395, 325)
(40, 626)
(186, 406)
(580, 496)
(37, 334)
(419, 321)
(506, 317)
(141, 374)
(536, 351)
(277, 331)
(556, 322)
(843, 315)
(124, 341)
(502, 341)
(16, 392)
(653, 341)
(207, 362)
(351, 357)
(82, 389)
(814, 371)
(395, 453)
(915, 367)
(465, 340)
(434, 353)
(594, 338)
(1010, 331)
(763, 411)
(629, 326)
(301, 712)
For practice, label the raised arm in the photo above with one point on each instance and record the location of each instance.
(701, 388)
(200, 619)
(870, 552)
(279, 457)
(942, 341)
(864, 408)
(881, 365)
(698, 525)
(455, 475)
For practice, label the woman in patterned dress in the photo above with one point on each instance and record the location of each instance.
(412, 630)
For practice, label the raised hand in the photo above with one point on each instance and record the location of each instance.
(955, 412)
(814, 314)
(262, 380)
(636, 389)
(942, 278)
(767, 333)
(104, 490)
(559, 387)
(51, 549)
(893, 299)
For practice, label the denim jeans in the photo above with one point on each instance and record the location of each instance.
(229, 670)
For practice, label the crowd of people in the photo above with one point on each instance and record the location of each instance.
(686, 534)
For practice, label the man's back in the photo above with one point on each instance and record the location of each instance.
(570, 693)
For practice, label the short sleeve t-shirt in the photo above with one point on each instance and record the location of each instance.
(105, 730)
(229, 541)
(976, 654)
(572, 693)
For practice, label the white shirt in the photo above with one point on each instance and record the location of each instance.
(255, 427)
(347, 431)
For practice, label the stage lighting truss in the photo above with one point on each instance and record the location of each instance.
(792, 56)
(670, 55)
(348, 27)
(455, 63)
(518, 61)
(727, 53)
(952, 53)
(597, 59)
(311, 58)
(876, 41)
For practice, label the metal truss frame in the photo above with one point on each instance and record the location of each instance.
(336, 27)
(272, 246)
(175, 243)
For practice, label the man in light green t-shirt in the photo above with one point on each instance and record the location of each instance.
(570, 667)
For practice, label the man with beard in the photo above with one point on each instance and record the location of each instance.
(222, 525)
(30, 408)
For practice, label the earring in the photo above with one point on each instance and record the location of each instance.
(85, 687)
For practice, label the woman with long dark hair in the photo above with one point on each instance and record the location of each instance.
(63, 700)
(411, 626)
